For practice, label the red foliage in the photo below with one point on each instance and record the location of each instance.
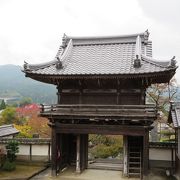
(37, 123)
(28, 110)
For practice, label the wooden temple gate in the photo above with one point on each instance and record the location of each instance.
(102, 83)
(71, 125)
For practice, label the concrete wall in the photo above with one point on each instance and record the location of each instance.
(32, 150)
(161, 157)
(40, 150)
(160, 154)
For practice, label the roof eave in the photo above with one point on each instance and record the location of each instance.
(49, 78)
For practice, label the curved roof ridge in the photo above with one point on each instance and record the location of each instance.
(60, 51)
(61, 54)
(116, 39)
(153, 61)
(104, 37)
(29, 67)
(138, 48)
(67, 51)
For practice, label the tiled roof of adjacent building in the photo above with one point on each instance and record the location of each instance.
(175, 114)
(112, 55)
(8, 130)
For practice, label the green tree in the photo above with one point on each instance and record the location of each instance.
(103, 146)
(3, 105)
(8, 116)
(25, 101)
(12, 149)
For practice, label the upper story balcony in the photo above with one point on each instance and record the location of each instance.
(109, 114)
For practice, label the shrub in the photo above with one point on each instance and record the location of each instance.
(105, 146)
(9, 166)
(103, 151)
(2, 156)
(12, 148)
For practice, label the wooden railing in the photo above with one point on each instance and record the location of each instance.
(84, 109)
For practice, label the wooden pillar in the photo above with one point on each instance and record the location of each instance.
(118, 92)
(58, 94)
(49, 151)
(30, 152)
(80, 91)
(146, 153)
(84, 151)
(143, 96)
(54, 152)
(125, 155)
(172, 158)
(78, 170)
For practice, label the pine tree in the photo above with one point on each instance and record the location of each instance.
(3, 105)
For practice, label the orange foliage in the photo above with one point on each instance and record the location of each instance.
(38, 124)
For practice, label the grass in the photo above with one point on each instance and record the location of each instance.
(21, 172)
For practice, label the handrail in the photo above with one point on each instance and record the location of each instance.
(93, 107)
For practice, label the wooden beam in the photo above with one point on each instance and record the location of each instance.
(100, 129)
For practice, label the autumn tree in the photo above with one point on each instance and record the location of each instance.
(40, 126)
(25, 131)
(33, 124)
(161, 95)
(8, 116)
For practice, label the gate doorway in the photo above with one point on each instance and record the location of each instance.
(105, 152)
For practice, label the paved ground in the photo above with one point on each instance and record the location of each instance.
(94, 174)
(89, 174)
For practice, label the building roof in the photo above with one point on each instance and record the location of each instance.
(129, 55)
(162, 145)
(27, 140)
(8, 130)
(175, 114)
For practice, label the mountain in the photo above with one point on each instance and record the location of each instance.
(13, 83)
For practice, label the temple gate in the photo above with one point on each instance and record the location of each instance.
(101, 84)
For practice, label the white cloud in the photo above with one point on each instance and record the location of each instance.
(164, 15)
(31, 30)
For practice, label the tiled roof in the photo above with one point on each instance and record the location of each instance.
(27, 140)
(7, 130)
(115, 55)
(175, 114)
(162, 145)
